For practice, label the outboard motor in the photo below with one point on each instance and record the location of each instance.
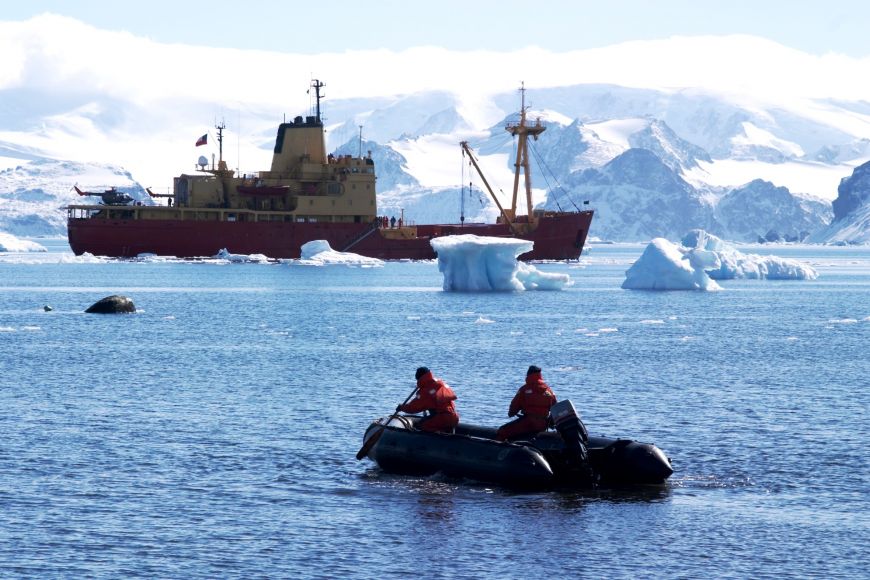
(574, 434)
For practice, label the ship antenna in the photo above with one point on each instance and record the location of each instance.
(522, 102)
(220, 137)
(317, 85)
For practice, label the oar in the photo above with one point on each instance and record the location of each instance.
(367, 446)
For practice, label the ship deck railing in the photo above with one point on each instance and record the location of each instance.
(182, 213)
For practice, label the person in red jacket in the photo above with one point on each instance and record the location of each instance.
(533, 400)
(434, 396)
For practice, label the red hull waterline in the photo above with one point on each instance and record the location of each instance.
(557, 237)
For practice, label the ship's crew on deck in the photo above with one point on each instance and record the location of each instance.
(435, 397)
(532, 402)
(393, 222)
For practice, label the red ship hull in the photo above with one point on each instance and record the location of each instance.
(557, 237)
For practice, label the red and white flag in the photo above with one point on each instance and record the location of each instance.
(202, 140)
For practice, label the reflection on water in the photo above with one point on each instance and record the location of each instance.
(440, 491)
(438, 506)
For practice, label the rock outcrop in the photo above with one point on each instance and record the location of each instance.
(112, 305)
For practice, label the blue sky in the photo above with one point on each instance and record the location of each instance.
(337, 25)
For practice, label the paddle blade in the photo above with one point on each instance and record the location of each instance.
(367, 446)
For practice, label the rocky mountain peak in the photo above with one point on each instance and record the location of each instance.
(853, 192)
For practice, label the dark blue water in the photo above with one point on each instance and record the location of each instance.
(213, 433)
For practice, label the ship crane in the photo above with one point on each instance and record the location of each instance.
(466, 149)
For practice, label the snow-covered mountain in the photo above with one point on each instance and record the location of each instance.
(851, 223)
(676, 153)
(636, 197)
(33, 195)
(761, 211)
(652, 160)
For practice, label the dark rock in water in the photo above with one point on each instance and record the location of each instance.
(47, 308)
(112, 305)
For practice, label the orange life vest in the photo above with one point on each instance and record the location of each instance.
(533, 399)
(433, 395)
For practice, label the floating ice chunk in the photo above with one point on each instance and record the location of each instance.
(84, 258)
(10, 243)
(533, 279)
(735, 264)
(665, 266)
(703, 258)
(224, 254)
(705, 241)
(314, 247)
(480, 264)
(786, 269)
(320, 253)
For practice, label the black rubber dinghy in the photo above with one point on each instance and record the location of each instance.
(543, 461)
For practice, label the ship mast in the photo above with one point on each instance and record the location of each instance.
(220, 138)
(509, 215)
(522, 162)
(317, 85)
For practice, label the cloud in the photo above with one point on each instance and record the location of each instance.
(53, 52)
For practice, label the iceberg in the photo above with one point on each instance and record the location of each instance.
(470, 263)
(701, 260)
(320, 253)
(666, 266)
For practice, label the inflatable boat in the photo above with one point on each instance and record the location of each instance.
(566, 457)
